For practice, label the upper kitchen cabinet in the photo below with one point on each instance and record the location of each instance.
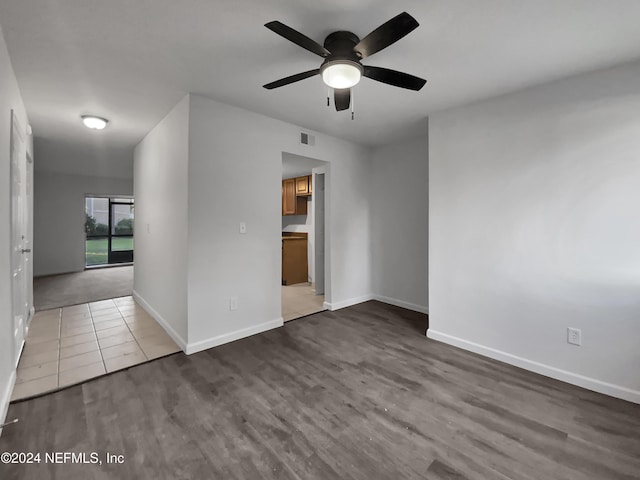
(293, 204)
(289, 197)
(303, 185)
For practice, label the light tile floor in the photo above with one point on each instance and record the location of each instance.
(69, 345)
(299, 300)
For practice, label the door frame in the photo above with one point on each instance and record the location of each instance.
(320, 257)
(21, 215)
(29, 187)
(325, 169)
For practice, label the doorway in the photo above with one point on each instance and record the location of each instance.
(304, 284)
(109, 231)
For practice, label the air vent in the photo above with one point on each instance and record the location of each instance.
(307, 139)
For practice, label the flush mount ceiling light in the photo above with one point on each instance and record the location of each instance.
(93, 122)
(341, 73)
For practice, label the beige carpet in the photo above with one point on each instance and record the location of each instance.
(82, 287)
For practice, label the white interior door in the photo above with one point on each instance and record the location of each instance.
(20, 244)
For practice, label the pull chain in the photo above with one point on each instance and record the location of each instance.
(328, 95)
(352, 106)
(15, 420)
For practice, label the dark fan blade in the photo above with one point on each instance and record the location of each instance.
(297, 38)
(395, 78)
(386, 34)
(342, 98)
(292, 79)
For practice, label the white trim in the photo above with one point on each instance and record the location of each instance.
(232, 336)
(347, 303)
(22, 344)
(401, 303)
(546, 370)
(6, 398)
(163, 323)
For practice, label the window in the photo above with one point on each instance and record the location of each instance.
(109, 230)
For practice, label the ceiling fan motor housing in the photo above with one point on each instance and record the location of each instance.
(341, 45)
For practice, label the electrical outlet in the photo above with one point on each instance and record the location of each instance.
(233, 303)
(243, 227)
(574, 336)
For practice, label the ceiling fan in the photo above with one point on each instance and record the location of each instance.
(343, 52)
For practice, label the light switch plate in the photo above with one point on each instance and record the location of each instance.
(243, 227)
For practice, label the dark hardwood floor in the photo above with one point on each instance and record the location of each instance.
(359, 393)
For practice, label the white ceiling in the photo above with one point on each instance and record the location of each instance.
(131, 61)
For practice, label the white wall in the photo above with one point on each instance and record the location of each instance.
(89, 155)
(59, 217)
(399, 224)
(235, 165)
(161, 220)
(535, 227)
(10, 99)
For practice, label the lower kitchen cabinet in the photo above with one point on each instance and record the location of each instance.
(294, 258)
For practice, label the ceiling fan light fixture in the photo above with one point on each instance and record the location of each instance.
(93, 122)
(341, 73)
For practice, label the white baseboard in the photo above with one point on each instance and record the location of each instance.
(347, 303)
(546, 370)
(365, 298)
(5, 398)
(401, 303)
(181, 342)
(232, 336)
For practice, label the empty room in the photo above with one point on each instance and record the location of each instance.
(357, 240)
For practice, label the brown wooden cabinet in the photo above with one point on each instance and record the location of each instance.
(289, 197)
(293, 204)
(294, 258)
(302, 186)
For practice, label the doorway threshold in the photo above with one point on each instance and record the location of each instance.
(110, 265)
